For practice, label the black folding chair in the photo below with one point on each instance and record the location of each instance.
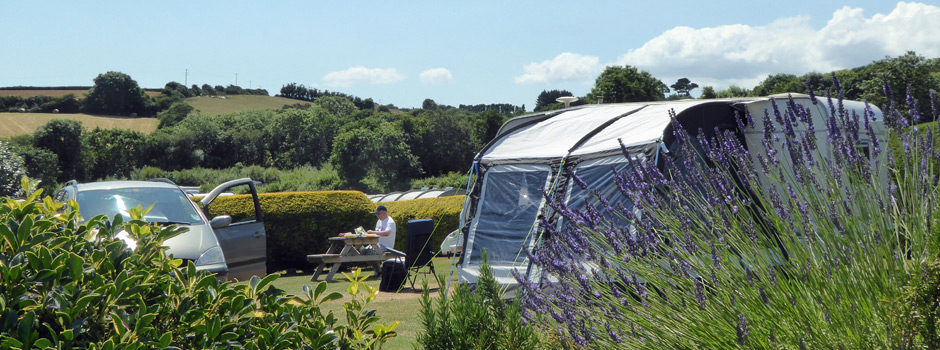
(418, 249)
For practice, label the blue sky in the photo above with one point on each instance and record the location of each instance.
(454, 53)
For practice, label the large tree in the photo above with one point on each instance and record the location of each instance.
(708, 92)
(548, 97)
(115, 93)
(448, 143)
(374, 159)
(684, 87)
(627, 84)
(908, 74)
(429, 104)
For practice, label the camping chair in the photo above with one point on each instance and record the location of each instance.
(418, 249)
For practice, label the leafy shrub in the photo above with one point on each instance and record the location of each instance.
(338, 106)
(64, 104)
(111, 152)
(147, 173)
(445, 211)
(475, 319)
(453, 179)
(304, 178)
(40, 164)
(62, 137)
(299, 223)
(69, 285)
(12, 170)
(177, 111)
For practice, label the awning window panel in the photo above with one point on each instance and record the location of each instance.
(512, 196)
(599, 176)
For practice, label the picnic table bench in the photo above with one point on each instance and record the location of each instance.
(354, 249)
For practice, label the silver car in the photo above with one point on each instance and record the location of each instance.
(231, 250)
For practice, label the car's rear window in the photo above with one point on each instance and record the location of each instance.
(170, 205)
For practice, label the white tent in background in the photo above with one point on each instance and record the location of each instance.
(534, 153)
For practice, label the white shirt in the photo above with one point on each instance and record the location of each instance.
(387, 224)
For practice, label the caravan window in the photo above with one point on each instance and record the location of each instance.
(510, 202)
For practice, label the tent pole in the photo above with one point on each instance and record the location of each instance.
(453, 262)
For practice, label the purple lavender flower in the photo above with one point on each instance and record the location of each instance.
(742, 329)
(699, 293)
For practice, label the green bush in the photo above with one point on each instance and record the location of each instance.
(453, 179)
(41, 164)
(304, 178)
(177, 111)
(12, 170)
(67, 285)
(64, 138)
(299, 223)
(476, 319)
(111, 152)
(445, 211)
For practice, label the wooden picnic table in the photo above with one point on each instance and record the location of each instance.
(354, 249)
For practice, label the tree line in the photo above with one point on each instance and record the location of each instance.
(370, 150)
(116, 93)
(301, 92)
(905, 75)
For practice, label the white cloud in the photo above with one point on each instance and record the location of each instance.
(743, 55)
(566, 67)
(362, 75)
(436, 76)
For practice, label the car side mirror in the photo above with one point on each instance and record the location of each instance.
(221, 221)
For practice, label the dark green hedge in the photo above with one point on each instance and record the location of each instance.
(299, 223)
(445, 211)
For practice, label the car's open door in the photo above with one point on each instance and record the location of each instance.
(243, 239)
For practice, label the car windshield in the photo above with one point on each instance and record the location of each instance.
(170, 205)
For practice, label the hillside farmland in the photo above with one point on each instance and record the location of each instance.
(238, 103)
(13, 124)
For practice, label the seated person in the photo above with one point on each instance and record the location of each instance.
(385, 229)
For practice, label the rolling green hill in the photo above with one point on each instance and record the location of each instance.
(238, 103)
(14, 124)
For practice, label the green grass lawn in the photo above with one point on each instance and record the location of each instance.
(404, 307)
(238, 103)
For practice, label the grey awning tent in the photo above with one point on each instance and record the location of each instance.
(536, 154)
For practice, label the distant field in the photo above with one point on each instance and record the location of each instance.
(13, 124)
(239, 103)
(55, 93)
